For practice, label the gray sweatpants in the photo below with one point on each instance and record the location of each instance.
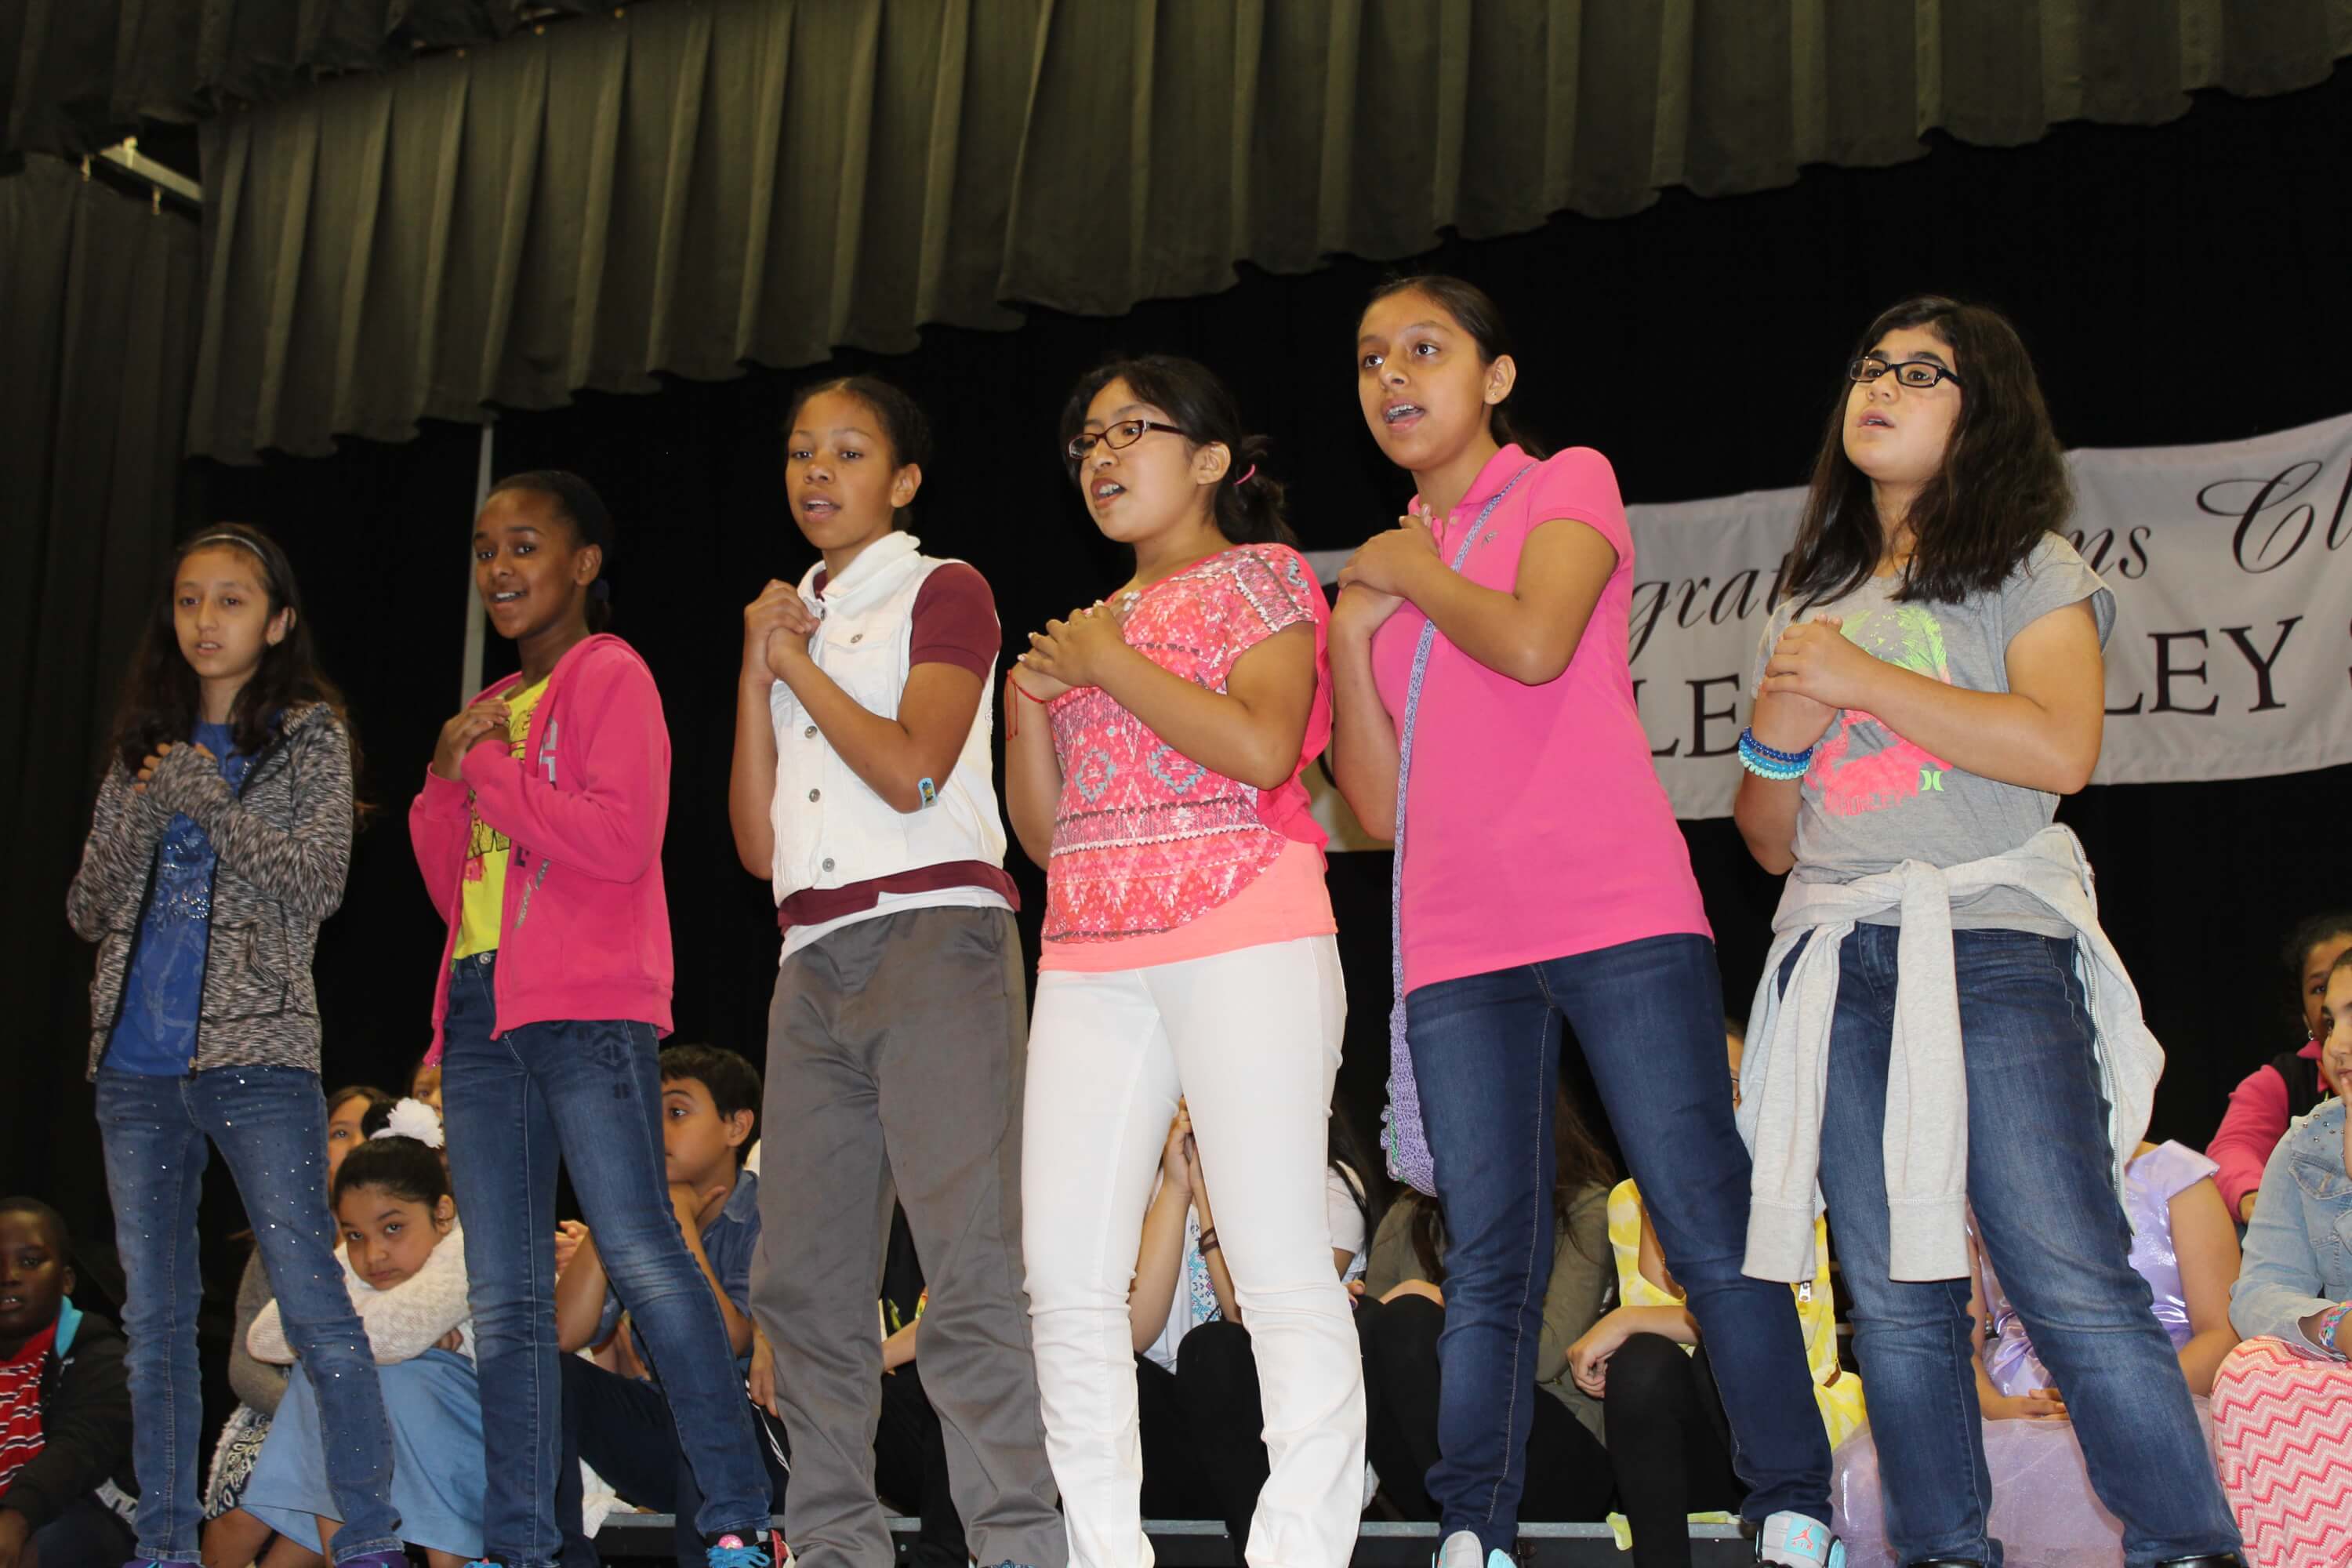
(896, 1049)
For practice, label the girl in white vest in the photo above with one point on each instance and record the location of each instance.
(895, 1044)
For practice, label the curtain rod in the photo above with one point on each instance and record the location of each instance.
(125, 155)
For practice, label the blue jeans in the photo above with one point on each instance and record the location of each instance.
(1485, 1055)
(270, 1125)
(2042, 1184)
(590, 1094)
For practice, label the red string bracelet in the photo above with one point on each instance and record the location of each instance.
(1012, 715)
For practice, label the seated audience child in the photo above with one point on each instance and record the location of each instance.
(2281, 1398)
(1216, 1365)
(425, 1084)
(65, 1487)
(405, 1264)
(2290, 1084)
(1667, 1435)
(233, 1537)
(2043, 1510)
(620, 1422)
(1400, 1311)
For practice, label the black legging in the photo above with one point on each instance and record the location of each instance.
(1175, 1481)
(1216, 1382)
(1669, 1443)
(1569, 1474)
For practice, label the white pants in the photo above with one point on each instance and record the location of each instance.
(1251, 1041)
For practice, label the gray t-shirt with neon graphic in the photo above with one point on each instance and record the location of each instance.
(1872, 799)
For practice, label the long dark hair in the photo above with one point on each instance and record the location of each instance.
(903, 424)
(2001, 487)
(575, 501)
(1578, 1162)
(161, 696)
(1201, 405)
(1475, 312)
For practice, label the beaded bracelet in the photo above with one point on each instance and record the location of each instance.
(1765, 762)
(2329, 1321)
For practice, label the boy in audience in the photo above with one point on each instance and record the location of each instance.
(619, 1422)
(65, 1487)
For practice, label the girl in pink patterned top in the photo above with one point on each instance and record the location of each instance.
(1189, 952)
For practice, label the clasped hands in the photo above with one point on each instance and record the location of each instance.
(1071, 652)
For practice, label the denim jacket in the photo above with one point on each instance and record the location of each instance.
(2298, 1253)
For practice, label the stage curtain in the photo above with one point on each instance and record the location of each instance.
(98, 327)
(685, 186)
(77, 75)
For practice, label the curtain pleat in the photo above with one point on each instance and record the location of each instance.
(97, 321)
(687, 186)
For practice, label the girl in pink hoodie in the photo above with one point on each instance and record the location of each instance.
(539, 832)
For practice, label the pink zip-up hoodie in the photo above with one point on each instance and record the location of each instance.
(585, 928)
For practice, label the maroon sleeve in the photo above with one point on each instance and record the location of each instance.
(955, 621)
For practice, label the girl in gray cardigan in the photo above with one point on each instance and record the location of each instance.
(220, 841)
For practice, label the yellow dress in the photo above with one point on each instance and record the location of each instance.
(1836, 1390)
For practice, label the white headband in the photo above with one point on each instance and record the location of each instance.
(412, 1119)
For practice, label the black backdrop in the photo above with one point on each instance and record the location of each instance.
(2178, 284)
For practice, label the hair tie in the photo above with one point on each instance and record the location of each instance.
(1247, 475)
(412, 1119)
(601, 590)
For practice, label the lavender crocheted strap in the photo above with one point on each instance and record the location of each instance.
(1401, 1137)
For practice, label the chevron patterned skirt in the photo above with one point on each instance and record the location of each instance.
(2283, 1428)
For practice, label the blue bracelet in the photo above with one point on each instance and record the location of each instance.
(1765, 762)
(1786, 759)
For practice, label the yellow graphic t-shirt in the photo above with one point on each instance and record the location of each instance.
(484, 897)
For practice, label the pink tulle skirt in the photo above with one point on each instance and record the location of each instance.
(2044, 1513)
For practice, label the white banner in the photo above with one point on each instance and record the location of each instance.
(2232, 653)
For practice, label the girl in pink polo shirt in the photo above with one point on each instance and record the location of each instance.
(1484, 703)
(1154, 746)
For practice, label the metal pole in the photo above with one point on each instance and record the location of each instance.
(476, 619)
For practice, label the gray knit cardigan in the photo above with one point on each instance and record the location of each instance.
(284, 843)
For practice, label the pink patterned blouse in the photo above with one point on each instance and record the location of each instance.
(1145, 838)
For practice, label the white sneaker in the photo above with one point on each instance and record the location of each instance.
(1799, 1541)
(1460, 1550)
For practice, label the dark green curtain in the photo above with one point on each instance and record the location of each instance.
(77, 75)
(687, 186)
(98, 302)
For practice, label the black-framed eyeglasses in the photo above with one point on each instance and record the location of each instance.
(1119, 434)
(1915, 374)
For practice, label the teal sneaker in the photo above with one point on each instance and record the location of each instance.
(1799, 1541)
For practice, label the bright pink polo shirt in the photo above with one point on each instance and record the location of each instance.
(1537, 828)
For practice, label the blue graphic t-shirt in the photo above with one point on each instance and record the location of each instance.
(155, 1034)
